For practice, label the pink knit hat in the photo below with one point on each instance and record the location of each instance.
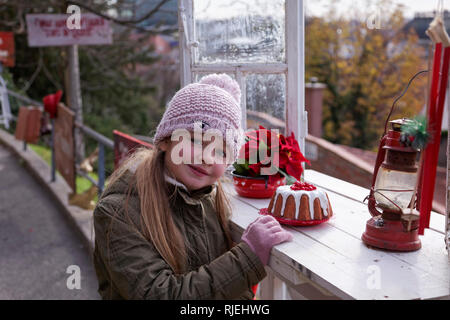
(212, 103)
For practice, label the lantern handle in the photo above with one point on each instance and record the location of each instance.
(399, 97)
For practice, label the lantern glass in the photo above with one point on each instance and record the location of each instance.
(397, 186)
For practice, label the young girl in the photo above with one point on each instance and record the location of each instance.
(162, 227)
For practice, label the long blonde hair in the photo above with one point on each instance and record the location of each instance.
(157, 224)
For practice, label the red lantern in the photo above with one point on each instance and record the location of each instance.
(395, 187)
(394, 225)
(51, 103)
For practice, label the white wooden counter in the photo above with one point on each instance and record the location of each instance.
(331, 261)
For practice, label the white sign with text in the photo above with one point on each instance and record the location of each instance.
(66, 29)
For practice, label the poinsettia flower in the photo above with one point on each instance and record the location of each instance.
(251, 152)
(284, 159)
(250, 147)
(282, 141)
(256, 141)
(252, 135)
(294, 151)
(269, 140)
(255, 169)
(267, 135)
(294, 169)
(282, 153)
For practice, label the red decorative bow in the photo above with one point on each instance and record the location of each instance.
(51, 103)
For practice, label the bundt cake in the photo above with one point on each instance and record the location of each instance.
(301, 202)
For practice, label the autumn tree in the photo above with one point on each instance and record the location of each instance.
(364, 70)
(119, 82)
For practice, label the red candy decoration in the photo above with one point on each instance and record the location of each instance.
(302, 186)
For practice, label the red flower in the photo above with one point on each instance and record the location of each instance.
(287, 149)
(256, 169)
(249, 150)
(291, 157)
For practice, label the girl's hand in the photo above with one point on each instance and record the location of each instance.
(264, 233)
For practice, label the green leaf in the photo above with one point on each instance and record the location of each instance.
(417, 129)
(241, 169)
(290, 180)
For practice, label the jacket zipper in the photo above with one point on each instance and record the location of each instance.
(205, 232)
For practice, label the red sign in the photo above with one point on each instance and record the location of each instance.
(7, 49)
(52, 30)
(124, 146)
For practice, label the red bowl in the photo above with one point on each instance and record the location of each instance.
(256, 187)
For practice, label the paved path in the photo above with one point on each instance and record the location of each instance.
(37, 243)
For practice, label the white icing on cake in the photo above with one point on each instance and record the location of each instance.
(286, 191)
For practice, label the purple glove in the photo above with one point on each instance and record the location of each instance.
(264, 233)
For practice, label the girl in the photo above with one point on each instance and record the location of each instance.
(162, 227)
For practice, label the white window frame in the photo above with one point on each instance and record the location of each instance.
(294, 68)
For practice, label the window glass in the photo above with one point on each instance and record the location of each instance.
(266, 101)
(246, 31)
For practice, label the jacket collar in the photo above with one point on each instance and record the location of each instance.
(191, 197)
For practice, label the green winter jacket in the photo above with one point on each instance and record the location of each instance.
(128, 266)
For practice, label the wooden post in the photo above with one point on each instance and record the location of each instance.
(74, 99)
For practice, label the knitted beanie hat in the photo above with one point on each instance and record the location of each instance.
(212, 103)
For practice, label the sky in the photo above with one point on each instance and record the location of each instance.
(320, 7)
(214, 8)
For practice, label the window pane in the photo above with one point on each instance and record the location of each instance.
(266, 101)
(240, 31)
